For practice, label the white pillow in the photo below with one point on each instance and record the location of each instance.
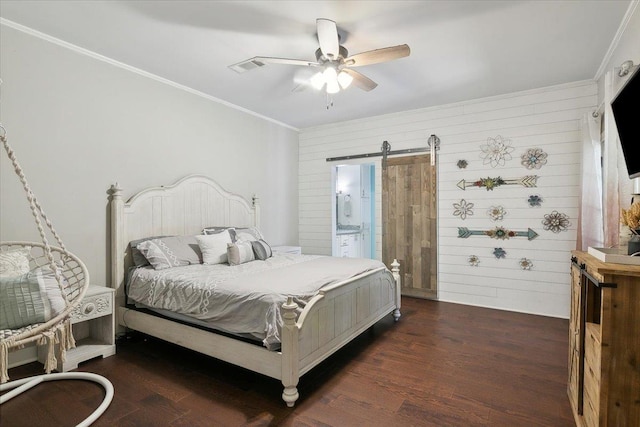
(214, 247)
(14, 263)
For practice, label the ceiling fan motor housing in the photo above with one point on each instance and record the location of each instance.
(342, 54)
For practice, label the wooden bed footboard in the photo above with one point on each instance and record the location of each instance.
(333, 318)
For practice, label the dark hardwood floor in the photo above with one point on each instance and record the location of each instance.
(441, 365)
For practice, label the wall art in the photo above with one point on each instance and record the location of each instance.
(534, 158)
(463, 209)
(556, 222)
(496, 151)
(474, 260)
(525, 264)
(491, 183)
(535, 201)
(499, 233)
(499, 253)
(496, 213)
(462, 164)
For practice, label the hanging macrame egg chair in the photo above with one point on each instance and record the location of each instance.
(40, 286)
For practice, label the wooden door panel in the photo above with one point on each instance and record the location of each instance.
(409, 222)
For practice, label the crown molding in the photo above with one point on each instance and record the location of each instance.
(616, 39)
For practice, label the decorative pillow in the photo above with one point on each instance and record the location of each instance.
(261, 249)
(14, 263)
(248, 234)
(138, 259)
(167, 252)
(215, 230)
(214, 247)
(239, 253)
(31, 298)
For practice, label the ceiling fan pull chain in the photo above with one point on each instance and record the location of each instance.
(329, 101)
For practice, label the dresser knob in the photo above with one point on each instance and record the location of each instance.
(88, 308)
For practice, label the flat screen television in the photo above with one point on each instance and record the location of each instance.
(626, 111)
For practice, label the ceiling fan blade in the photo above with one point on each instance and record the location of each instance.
(378, 55)
(261, 61)
(360, 80)
(328, 38)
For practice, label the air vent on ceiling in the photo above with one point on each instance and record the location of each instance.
(247, 65)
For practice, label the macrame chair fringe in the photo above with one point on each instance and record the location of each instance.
(4, 361)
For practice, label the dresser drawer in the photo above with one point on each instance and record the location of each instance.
(92, 306)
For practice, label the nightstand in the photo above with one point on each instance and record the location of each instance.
(93, 328)
(295, 250)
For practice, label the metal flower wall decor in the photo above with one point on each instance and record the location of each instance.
(496, 151)
(556, 222)
(462, 164)
(525, 264)
(473, 260)
(499, 253)
(463, 209)
(496, 213)
(534, 201)
(534, 158)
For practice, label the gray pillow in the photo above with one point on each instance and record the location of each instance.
(28, 299)
(167, 252)
(246, 234)
(261, 249)
(138, 259)
(239, 253)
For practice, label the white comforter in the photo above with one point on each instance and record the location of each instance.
(243, 299)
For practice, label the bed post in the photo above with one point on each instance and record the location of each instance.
(289, 343)
(256, 211)
(117, 252)
(395, 270)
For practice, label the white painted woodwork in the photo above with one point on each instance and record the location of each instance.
(338, 314)
(93, 324)
(547, 118)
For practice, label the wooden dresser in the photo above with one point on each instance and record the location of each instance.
(604, 342)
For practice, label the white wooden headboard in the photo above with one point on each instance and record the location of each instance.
(183, 208)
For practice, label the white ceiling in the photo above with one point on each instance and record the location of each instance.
(460, 50)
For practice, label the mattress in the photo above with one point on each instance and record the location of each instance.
(244, 299)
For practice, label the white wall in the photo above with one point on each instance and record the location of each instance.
(78, 125)
(546, 118)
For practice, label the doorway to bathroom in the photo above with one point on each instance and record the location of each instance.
(354, 211)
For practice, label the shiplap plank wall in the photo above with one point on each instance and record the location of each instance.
(547, 118)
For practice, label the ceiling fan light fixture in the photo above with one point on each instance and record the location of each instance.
(344, 79)
(330, 74)
(333, 86)
(317, 81)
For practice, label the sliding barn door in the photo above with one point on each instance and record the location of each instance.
(409, 222)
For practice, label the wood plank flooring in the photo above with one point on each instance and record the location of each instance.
(441, 365)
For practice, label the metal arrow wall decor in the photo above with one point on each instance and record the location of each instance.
(491, 183)
(500, 233)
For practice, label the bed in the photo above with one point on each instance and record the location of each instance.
(309, 332)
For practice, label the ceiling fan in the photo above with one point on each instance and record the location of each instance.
(333, 60)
